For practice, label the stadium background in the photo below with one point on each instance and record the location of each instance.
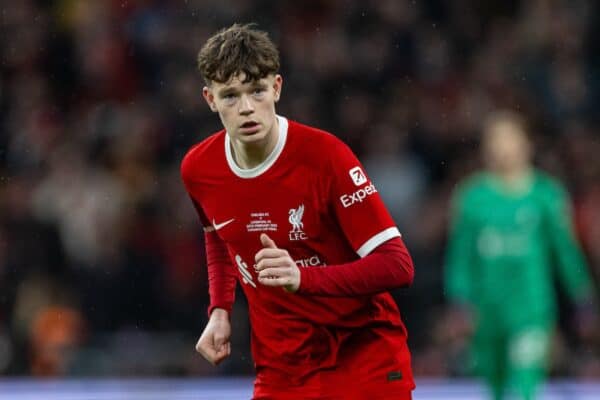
(101, 260)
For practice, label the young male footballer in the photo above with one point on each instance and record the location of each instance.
(289, 213)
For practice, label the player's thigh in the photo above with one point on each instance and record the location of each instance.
(488, 354)
(528, 354)
(529, 346)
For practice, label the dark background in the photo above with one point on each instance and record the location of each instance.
(101, 257)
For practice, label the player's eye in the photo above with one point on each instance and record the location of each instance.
(229, 98)
(258, 91)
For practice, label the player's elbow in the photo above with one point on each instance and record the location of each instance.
(409, 272)
(403, 273)
(402, 267)
(406, 267)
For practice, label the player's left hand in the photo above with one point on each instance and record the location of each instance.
(275, 267)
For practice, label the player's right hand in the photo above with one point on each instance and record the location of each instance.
(214, 343)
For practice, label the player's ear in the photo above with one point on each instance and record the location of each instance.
(208, 95)
(277, 85)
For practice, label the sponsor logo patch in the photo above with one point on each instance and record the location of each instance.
(313, 261)
(358, 196)
(358, 176)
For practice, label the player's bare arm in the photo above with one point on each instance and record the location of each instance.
(275, 267)
(214, 344)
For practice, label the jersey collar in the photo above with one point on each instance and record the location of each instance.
(267, 163)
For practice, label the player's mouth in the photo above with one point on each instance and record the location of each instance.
(249, 127)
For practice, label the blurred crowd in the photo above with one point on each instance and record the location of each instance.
(101, 255)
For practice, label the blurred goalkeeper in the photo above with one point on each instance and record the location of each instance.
(511, 227)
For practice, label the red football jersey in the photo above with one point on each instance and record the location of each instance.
(313, 198)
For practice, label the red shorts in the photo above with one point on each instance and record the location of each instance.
(363, 395)
(373, 365)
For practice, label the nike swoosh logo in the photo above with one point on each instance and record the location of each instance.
(222, 224)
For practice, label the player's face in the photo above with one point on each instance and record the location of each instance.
(506, 148)
(247, 110)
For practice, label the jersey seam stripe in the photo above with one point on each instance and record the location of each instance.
(378, 239)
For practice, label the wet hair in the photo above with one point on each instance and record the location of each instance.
(237, 49)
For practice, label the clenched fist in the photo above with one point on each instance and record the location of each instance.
(214, 343)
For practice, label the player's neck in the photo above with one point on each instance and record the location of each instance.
(516, 178)
(251, 155)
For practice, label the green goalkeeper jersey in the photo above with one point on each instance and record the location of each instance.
(505, 245)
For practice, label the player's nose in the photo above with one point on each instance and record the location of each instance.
(246, 106)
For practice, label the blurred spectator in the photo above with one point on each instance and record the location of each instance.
(399, 176)
(56, 333)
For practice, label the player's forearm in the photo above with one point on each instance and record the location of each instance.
(572, 264)
(222, 293)
(221, 274)
(573, 271)
(389, 266)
